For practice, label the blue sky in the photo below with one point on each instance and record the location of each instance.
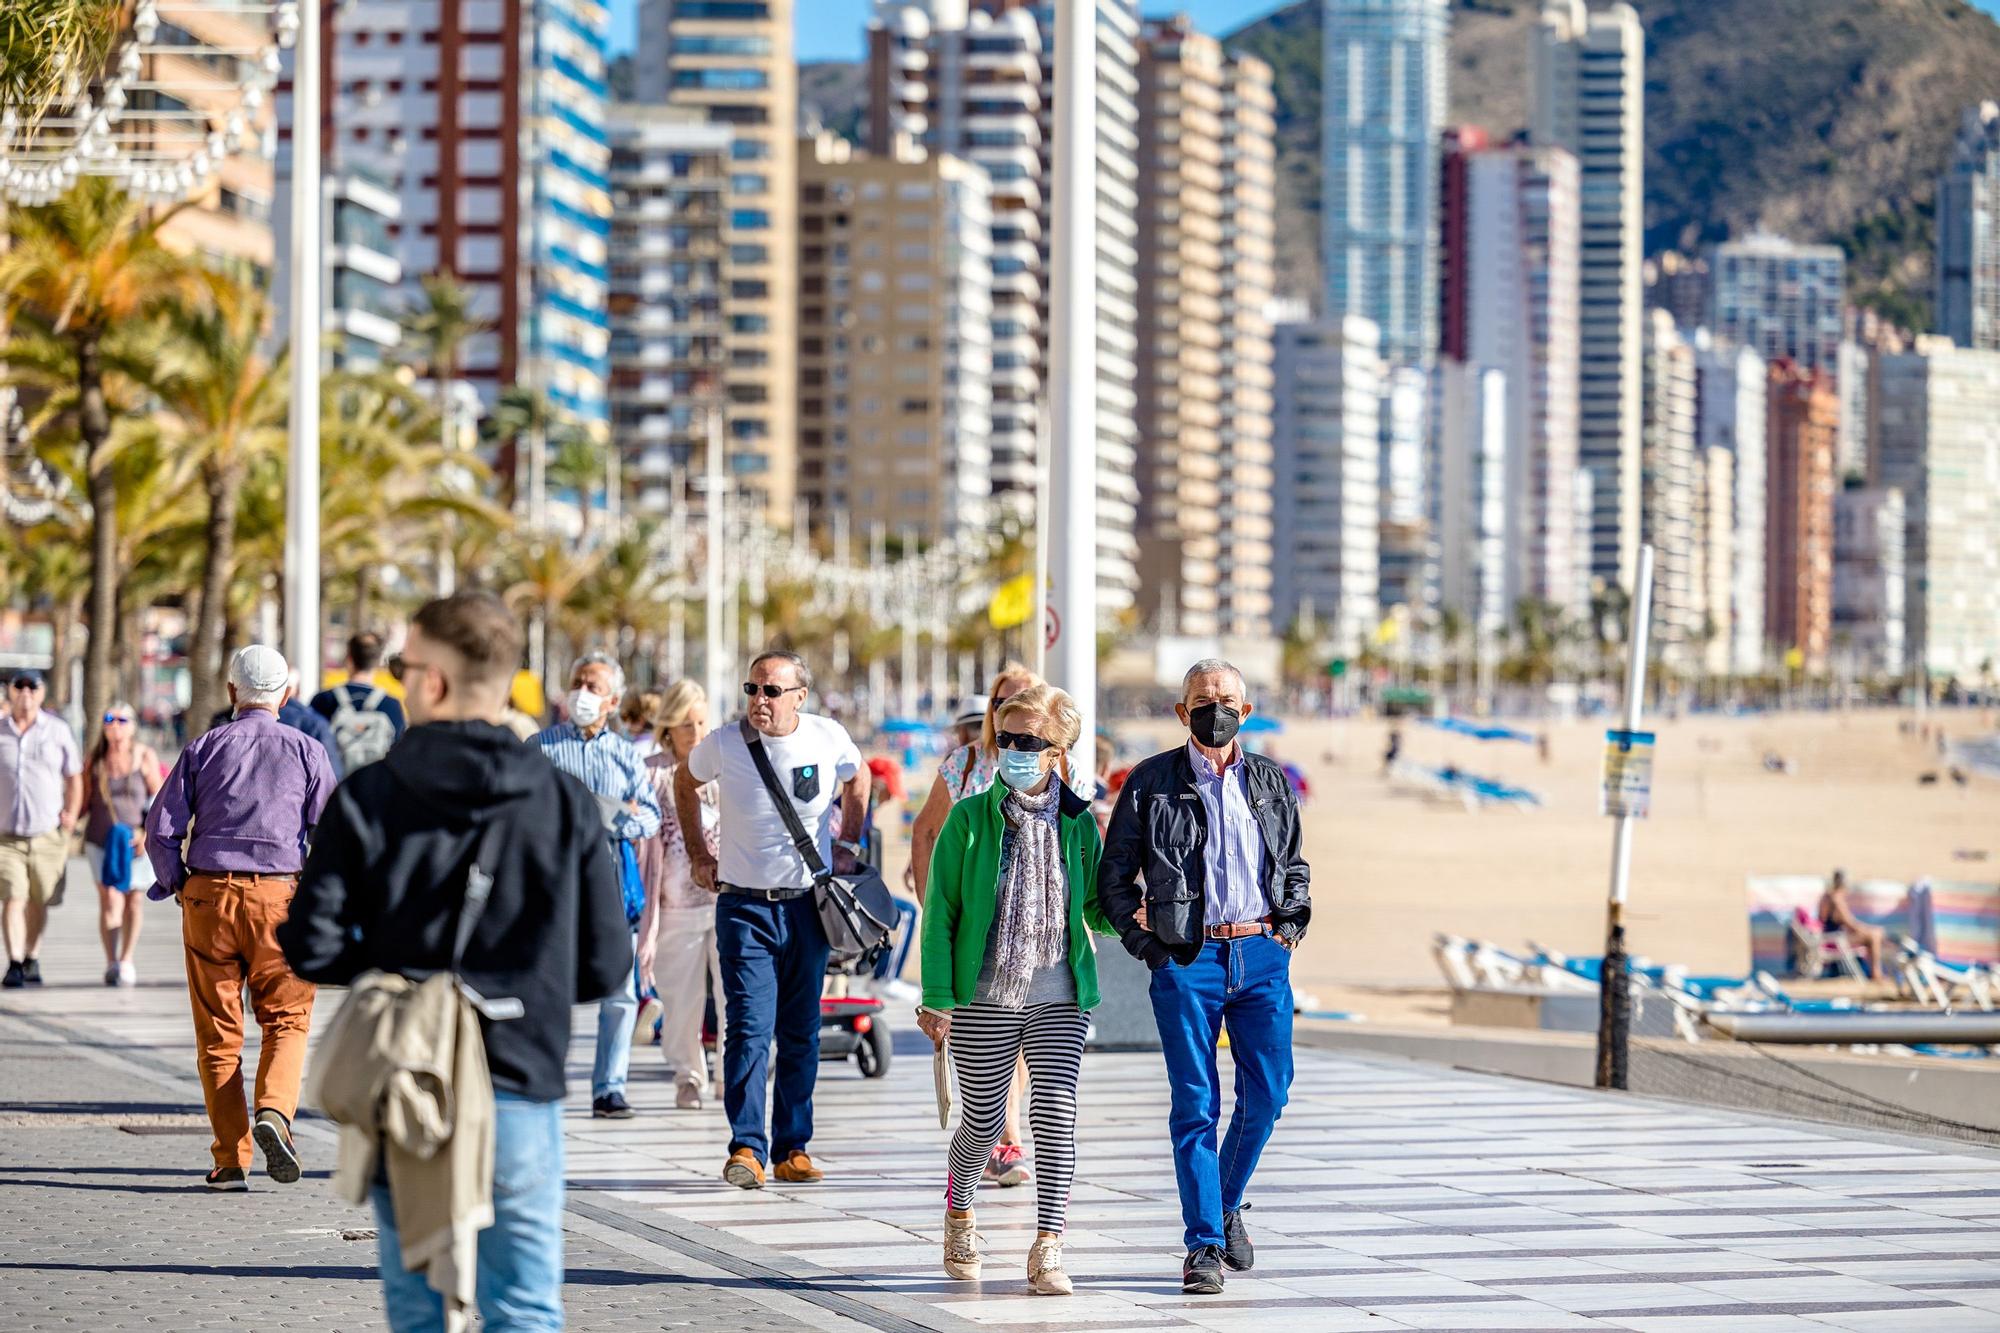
(831, 29)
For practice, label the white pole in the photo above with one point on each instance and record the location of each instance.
(1635, 698)
(302, 636)
(1614, 994)
(1038, 638)
(713, 667)
(1072, 372)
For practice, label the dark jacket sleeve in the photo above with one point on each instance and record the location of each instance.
(603, 936)
(324, 935)
(1294, 908)
(1118, 892)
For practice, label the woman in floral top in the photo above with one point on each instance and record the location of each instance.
(968, 771)
(677, 932)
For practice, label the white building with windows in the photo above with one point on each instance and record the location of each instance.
(1780, 299)
(1730, 415)
(1968, 233)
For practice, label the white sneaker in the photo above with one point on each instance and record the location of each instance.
(1045, 1270)
(128, 975)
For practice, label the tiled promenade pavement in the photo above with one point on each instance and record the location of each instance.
(1394, 1196)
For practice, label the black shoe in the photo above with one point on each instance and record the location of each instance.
(611, 1106)
(31, 971)
(274, 1136)
(17, 977)
(1201, 1272)
(1237, 1251)
(227, 1179)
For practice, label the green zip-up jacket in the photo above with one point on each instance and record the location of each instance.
(959, 904)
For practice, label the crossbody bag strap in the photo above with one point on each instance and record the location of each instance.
(478, 888)
(801, 839)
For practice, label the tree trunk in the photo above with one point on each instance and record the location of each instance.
(94, 424)
(62, 658)
(131, 650)
(207, 687)
(364, 598)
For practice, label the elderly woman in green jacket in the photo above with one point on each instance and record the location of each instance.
(1009, 968)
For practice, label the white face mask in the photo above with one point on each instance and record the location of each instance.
(585, 706)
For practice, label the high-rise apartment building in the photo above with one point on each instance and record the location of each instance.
(1870, 593)
(1514, 275)
(895, 339)
(1731, 415)
(731, 60)
(1715, 553)
(1671, 494)
(1473, 498)
(1588, 96)
(1780, 299)
(1408, 569)
(975, 78)
(198, 52)
(1936, 437)
(1679, 285)
(1804, 415)
(490, 117)
(1328, 512)
(1206, 206)
(669, 184)
(1383, 99)
(1968, 233)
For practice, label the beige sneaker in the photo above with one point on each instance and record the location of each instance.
(687, 1097)
(961, 1248)
(1045, 1270)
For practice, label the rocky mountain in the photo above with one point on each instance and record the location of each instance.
(1818, 119)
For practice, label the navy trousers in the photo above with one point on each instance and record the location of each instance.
(773, 958)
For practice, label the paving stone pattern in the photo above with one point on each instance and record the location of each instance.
(1394, 1196)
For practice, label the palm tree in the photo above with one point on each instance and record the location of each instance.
(440, 326)
(82, 270)
(228, 402)
(47, 46)
(524, 414)
(577, 464)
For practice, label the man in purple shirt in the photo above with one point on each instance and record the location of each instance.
(228, 835)
(41, 793)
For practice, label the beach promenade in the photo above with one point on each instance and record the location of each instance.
(1394, 1196)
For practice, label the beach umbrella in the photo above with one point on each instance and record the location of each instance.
(1261, 724)
(905, 724)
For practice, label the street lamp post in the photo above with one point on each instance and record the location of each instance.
(302, 632)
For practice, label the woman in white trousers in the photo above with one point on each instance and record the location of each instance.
(677, 932)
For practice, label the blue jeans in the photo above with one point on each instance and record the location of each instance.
(1244, 985)
(615, 1017)
(520, 1274)
(773, 960)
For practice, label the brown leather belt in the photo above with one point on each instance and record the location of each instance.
(1240, 930)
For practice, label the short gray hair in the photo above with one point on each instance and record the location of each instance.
(604, 660)
(785, 655)
(1211, 666)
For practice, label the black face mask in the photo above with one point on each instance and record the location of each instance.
(1214, 725)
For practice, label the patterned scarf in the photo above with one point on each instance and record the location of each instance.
(1032, 915)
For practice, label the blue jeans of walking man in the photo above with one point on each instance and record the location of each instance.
(773, 959)
(1243, 985)
(520, 1266)
(615, 1016)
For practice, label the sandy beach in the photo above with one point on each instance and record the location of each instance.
(1389, 870)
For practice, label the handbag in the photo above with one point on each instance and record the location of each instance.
(856, 910)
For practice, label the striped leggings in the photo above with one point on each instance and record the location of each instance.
(985, 1041)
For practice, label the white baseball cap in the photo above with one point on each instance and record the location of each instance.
(259, 669)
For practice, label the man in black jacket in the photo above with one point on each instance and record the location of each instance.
(1214, 832)
(382, 889)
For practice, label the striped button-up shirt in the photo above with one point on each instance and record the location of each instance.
(608, 765)
(1234, 852)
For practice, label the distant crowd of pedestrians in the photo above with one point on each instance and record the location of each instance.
(408, 845)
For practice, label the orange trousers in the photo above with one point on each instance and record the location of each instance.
(229, 926)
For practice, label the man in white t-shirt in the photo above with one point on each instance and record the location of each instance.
(767, 930)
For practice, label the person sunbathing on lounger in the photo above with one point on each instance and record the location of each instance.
(1836, 912)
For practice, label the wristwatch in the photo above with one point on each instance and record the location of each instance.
(851, 848)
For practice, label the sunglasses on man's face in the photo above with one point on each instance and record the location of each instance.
(1021, 740)
(752, 689)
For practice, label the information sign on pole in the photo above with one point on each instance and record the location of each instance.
(1627, 792)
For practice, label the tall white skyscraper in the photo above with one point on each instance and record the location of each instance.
(1670, 495)
(1731, 395)
(1870, 583)
(1384, 94)
(1327, 435)
(1780, 299)
(1473, 432)
(1521, 301)
(1968, 233)
(1588, 95)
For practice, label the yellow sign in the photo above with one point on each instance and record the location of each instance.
(1013, 602)
(1388, 631)
(1628, 774)
(1795, 659)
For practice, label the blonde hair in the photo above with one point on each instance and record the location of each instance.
(675, 704)
(1046, 701)
(1022, 679)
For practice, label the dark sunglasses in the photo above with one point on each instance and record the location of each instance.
(751, 688)
(27, 685)
(1021, 740)
(114, 719)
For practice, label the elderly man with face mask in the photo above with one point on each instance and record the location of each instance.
(228, 835)
(589, 749)
(1215, 831)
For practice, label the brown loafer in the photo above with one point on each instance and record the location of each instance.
(744, 1171)
(798, 1169)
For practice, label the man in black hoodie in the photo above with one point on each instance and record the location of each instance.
(382, 888)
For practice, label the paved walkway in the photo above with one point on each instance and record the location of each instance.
(1394, 1196)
